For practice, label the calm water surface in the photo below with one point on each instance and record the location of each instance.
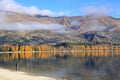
(66, 67)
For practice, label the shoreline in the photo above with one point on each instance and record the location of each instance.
(52, 51)
(6, 74)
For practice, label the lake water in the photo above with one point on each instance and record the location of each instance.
(65, 67)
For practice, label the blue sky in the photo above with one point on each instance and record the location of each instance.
(63, 7)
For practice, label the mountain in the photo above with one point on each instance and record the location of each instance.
(16, 28)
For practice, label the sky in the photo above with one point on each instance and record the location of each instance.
(63, 7)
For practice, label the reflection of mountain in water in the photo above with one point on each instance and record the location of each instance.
(90, 63)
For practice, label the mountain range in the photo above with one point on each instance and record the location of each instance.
(16, 28)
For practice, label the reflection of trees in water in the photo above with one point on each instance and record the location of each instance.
(87, 65)
(91, 57)
(29, 55)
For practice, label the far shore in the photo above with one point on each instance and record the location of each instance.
(51, 51)
(6, 74)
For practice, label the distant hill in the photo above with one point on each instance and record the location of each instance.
(16, 28)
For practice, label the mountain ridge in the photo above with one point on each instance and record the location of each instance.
(84, 29)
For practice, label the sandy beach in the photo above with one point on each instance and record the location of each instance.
(6, 74)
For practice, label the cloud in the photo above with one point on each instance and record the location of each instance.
(28, 26)
(20, 26)
(11, 5)
(96, 10)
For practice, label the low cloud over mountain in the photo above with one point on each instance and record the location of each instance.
(39, 29)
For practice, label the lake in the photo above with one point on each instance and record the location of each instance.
(70, 67)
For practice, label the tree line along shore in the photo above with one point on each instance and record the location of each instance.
(46, 51)
(44, 47)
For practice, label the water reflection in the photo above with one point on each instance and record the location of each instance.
(94, 65)
(90, 63)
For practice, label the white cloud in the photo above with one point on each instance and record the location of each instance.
(30, 25)
(23, 26)
(11, 5)
(96, 10)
